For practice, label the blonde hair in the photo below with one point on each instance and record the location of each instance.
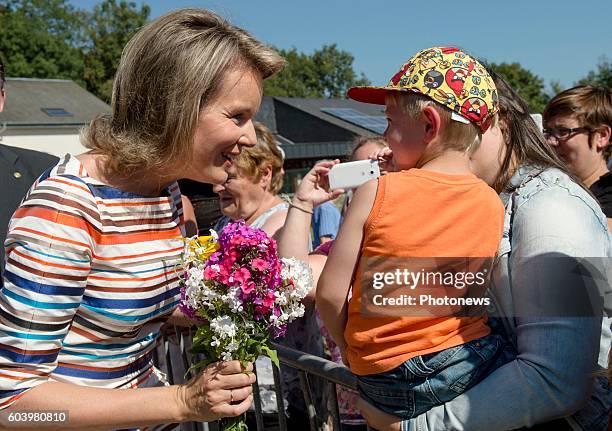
(266, 153)
(364, 140)
(169, 71)
(454, 135)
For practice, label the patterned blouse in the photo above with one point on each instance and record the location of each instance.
(91, 276)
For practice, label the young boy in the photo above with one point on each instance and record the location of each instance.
(433, 210)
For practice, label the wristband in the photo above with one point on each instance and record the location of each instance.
(291, 204)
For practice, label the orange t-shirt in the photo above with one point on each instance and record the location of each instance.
(421, 214)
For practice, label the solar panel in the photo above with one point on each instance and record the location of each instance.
(56, 112)
(374, 123)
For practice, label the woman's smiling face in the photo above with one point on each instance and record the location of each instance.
(224, 126)
(240, 197)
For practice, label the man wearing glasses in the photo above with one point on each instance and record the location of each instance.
(578, 125)
(19, 168)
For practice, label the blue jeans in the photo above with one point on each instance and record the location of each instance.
(426, 381)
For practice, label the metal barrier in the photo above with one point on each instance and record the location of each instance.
(173, 358)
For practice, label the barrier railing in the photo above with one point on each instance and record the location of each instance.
(173, 358)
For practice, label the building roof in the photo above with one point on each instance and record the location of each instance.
(301, 127)
(313, 107)
(304, 131)
(28, 98)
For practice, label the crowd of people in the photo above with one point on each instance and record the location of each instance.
(89, 275)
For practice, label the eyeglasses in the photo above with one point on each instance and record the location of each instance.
(563, 133)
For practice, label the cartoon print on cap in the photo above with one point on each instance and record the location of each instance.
(474, 109)
(448, 76)
(456, 77)
(446, 99)
(433, 79)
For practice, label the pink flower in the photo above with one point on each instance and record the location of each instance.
(269, 300)
(241, 275)
(237, 240)
(247, 287)
(260, 264)
(211, 272)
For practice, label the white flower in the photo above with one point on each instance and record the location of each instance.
(301, 274)
(223, 326)
(232, 346)
(196, 275)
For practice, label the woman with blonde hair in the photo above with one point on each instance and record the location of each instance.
(251, 190)
(91, 253)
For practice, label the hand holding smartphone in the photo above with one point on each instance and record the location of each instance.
(353, 174)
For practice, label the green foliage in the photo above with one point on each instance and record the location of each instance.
(327, 73)
(602, 76)
(52, 39)
(526, 83)
(555, 87)
(110, 27)
(42, 39)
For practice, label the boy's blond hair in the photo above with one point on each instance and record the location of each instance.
(454, 135)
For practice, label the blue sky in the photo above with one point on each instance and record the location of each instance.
(557, 40)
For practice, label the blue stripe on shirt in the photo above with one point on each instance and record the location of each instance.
(45, 289)
(123, 304)
(38, 304)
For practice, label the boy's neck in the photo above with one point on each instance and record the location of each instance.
(448, 162)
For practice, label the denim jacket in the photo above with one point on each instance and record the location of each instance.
(550, 217)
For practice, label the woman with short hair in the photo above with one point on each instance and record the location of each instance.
(251, 190)
(578, 125)
(92, 251)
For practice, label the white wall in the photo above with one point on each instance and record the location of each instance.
(55, 144)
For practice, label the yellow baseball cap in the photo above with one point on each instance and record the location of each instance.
(448, 76)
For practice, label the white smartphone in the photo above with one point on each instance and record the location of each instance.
(353, 174)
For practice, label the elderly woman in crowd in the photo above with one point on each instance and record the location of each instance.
(578, 125)
(251, 189)
(93, 249)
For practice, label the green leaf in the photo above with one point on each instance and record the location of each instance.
(272, 354)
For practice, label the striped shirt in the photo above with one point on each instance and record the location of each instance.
(91, 276)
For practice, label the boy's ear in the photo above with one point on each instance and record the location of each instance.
(432, 122)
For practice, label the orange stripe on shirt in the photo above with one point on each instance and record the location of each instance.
(46, 263)
(86, 334)
(99, 238)
(131, 256)
(153, 277)
(12, 399)
(70, 183)
(128, 204)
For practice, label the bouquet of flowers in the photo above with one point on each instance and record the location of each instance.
(242, 292)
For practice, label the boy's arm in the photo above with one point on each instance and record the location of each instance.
(335, 280)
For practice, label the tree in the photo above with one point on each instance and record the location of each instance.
(555, 87)
(110, 27)
(528, 85)
(327, 73)
(602, 76)
(42, 39)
